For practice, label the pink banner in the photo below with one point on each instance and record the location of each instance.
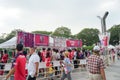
(27, 39)
(105, 41)
(74, 43)
(41, 40)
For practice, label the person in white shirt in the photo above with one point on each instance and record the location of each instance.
(57, 55)
(53, 55)
(33, 64)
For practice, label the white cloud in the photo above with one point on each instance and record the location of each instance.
(39, 15)
(7, 15)
(109, 5)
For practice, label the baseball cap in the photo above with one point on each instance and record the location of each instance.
(96, 48)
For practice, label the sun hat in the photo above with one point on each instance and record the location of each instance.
(66, 54)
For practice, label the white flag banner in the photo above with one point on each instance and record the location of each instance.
(104, 39)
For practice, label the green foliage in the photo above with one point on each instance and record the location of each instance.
(62, 32)
(88, 36)
(114, 34)
(88, 47)
(42, 32)
(9, 36)
(2, 40)
(73, 37)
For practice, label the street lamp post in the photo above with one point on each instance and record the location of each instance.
(103, 27)
(101, 19)
(103, 22)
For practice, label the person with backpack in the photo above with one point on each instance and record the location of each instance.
(67, 67)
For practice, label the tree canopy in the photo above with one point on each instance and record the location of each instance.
(62, 32)
(88, 36)
(10, 35)
(42, 32)
(114, 34)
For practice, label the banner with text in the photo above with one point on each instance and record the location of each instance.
(41, 40)
(27, 39)
(74, 43)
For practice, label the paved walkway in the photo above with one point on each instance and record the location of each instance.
(112, 72)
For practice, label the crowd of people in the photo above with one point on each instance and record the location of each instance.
(34, 56)
(46, 55)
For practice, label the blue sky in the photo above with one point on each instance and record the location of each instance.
(47, 15)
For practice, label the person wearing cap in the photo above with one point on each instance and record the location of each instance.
(67, 67)
(33, 64)
(18, 65)
(96, 66)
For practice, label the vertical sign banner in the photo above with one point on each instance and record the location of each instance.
(20, 38)
(74, 43)
(27, 39)
(41, 40)
(104, 39)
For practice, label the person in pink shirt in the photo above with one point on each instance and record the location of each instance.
(113, 55)
(70, 55)
(48, 59)
(5, 57)
(43, 54)
(18, 65)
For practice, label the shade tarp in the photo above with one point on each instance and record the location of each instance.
(111, 47)
(9, 44)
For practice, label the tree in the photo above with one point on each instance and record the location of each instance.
(62, 32)
(114, 34)
(2, 37)
(10, 35)
(2, 40)
(42, 32)
(88, 36)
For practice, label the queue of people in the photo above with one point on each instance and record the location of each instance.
(94, 62)
(33, 57)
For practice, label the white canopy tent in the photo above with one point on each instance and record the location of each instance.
(12, 43)
(9, 44)
(111, 47)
